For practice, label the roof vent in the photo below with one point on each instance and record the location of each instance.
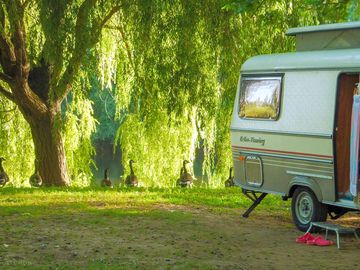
(327, 36)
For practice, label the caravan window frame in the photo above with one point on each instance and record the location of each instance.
(264, 76)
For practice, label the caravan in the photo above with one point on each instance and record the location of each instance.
(295, 130)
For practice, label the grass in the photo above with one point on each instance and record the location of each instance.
(38, 201)
(122, 228)
(139, 228)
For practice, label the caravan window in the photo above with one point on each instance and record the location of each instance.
(260, 98)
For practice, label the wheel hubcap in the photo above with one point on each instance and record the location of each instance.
(304, 207)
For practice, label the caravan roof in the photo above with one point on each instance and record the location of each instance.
(333, 59)
(323, 28)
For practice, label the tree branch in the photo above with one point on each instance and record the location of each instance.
(82, 36)
(17, 50)
(120, 28)
(7, 94)
(26, 3)
(7, 55)
(19, 69)
(19, 38)
(108, 16)
(6, 78)
(2, 18)
(84, 39)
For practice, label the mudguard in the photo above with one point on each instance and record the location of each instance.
(305, 182)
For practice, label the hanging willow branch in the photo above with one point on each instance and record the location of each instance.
(121, 30)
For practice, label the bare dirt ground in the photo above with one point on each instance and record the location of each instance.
(165, 236)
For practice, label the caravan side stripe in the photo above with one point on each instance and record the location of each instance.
(281, 152)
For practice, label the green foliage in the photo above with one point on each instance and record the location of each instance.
(354, 11)
(50, 31)
(169, 74)
(181, 61)
(17, 147)
(70, 29)
(104, 112)
(153, 144)
(79, 125)
(306, 12)
(17, 150)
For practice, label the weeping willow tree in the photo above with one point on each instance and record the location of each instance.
(178, 66)
(44, 47)
(173, 65)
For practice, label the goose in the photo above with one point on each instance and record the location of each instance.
(186, 178)
(181, 173)
(4, 178)
(36, 180)
(131, 179)
(106, 182)
(230, 181)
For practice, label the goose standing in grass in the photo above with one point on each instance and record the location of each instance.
(230, 181)
(131, 179)
(4, 178)
(106, 182)
(186, 178)
(181, 173)
(36, 180)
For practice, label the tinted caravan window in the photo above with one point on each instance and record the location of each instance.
(260, 98)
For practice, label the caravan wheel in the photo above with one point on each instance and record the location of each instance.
(306, 208)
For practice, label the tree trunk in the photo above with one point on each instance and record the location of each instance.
(49, 149)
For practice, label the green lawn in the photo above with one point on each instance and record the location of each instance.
(39, 202)
(123, 228)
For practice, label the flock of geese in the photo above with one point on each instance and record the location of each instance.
(185, 179)
(130, 181)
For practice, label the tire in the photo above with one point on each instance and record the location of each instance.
(306, 208)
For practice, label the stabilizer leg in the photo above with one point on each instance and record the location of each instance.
(256, 200)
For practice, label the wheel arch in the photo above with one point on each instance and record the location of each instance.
(308, 182)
